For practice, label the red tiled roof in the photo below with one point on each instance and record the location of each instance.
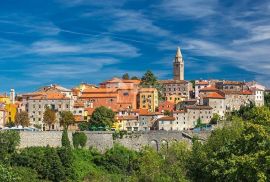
(50, 96)
(202, 83)
(247, 92)
(215, 95)
(103, 95)
(166, 118)
(210, 88)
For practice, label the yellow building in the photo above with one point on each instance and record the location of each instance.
(10, 108)
(148, 99)
(175, 98)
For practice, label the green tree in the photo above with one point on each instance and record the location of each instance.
(65, 140)
(66, 118)
(135, 78)
(9, 140)
(176, 160)
(125, 76)
(267, 99)
(79, 139)
(119, 160)
(67, 159)
(149, 80)
(167, 113)
(102, 116)
(151, 166)
(44, 160)
(49, 117)
(53, 168)
(22, 119)
(8, 175)
(215, 119)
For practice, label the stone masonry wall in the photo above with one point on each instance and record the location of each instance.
(103, 140)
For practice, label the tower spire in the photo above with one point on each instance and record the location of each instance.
(178, 53)
(178, 65)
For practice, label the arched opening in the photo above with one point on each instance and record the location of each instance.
(154, 144)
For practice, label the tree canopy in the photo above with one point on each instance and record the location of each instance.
(102, 116)
(49, 117)
(66, 118)
(125, 76)
(22, 119)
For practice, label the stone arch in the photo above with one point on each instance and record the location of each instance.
(154, 144)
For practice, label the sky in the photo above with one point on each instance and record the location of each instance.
(67, 42)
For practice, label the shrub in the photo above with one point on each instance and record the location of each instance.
(65, 140)
(79, 139)
(7, 175)
(9, 140)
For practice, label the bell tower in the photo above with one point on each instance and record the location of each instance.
(178, 66)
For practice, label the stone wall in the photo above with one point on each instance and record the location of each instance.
(42, 138)
(102, 140)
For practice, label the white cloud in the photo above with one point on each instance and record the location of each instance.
(183, 9)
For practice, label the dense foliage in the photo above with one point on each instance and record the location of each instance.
(239, 151)
(66, 118)
(79, 139)
(65, 140)
(49, 117)
(22, 119)
(102, 117)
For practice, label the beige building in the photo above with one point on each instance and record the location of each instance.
(148, 99)
(36, 106)
(199, 111)
(175, 98)
(217, 102)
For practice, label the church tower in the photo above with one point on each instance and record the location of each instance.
(178, 66)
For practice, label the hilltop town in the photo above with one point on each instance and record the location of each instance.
(139, 104)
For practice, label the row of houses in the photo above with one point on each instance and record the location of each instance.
(137, 108)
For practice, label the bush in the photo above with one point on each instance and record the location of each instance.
(9, 140)
(26, 174)
(118, 160)
(65, 140)
(8, 175)
(44, 160)
(79, 139)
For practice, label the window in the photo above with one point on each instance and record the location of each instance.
(67, 106)
(126, 94)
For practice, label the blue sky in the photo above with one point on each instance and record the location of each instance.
(68, 42)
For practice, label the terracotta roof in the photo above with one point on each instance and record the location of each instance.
(202, 83)
(247, 92)
(99, 90)
(210, 88)
(166, 118)
(89, 110)
(232, 83)
(103, 95)
(215, 95)
(199, 107)
(50, 96)
(173, 81)
(127, 117)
